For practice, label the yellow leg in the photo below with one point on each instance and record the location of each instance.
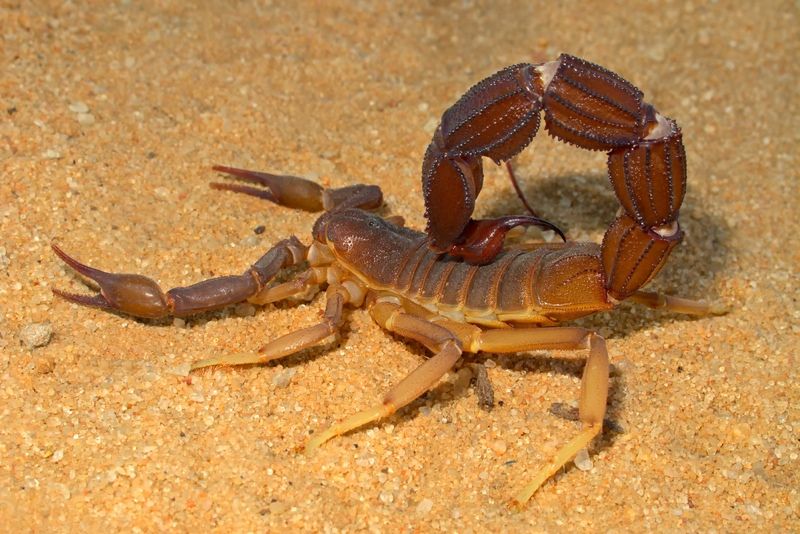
(301, 284)
(564, 455)
(659, 301)
(594, 384)
(421, 379)
(337, 296)
(591, 409)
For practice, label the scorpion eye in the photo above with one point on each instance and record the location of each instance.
(373, 223)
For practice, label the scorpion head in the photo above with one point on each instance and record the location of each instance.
(366, 240)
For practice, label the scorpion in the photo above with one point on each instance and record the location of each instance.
(455, 289)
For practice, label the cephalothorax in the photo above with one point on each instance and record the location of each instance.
(411, 287)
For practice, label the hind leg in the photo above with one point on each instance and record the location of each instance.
(659, 301)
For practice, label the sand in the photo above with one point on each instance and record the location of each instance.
(111, 117)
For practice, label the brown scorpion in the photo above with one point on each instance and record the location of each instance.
(456, 290)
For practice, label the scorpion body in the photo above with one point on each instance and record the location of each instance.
(420, 286)
(546, 285)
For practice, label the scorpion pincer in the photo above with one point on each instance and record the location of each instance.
(412, 287)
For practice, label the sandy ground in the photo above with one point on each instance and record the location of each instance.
(110, 120)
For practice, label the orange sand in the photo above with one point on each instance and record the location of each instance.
(110, 119)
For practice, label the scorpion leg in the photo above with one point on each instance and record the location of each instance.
(673, 304)
(336, 297)
(137, 295)
(301, 284)
(594, 385)
(438, 339)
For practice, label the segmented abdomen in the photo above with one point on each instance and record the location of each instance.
(549, 283)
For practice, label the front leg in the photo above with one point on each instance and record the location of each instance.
(140, 296)
(335, 297)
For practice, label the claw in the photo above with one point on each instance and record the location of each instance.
(483, 239)
(133, 294)
(289, 191)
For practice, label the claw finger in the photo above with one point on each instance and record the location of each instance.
(85, 270)
(289, 191)
(129, 293)
(95, 301)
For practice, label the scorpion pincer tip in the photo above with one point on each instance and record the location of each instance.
(80, 268)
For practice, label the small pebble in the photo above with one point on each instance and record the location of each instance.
(51, 154)
(58, 456)
(424, 506)
(499, 447)
(78, 107)
(85, 119)
(258, 230)
(277, 508)
(244, 309)
(431, 125)
(282, 379)
(35, 335)
(162, 193)
(582, 460)
(483, 388)
(44, 365)
(548, 235)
